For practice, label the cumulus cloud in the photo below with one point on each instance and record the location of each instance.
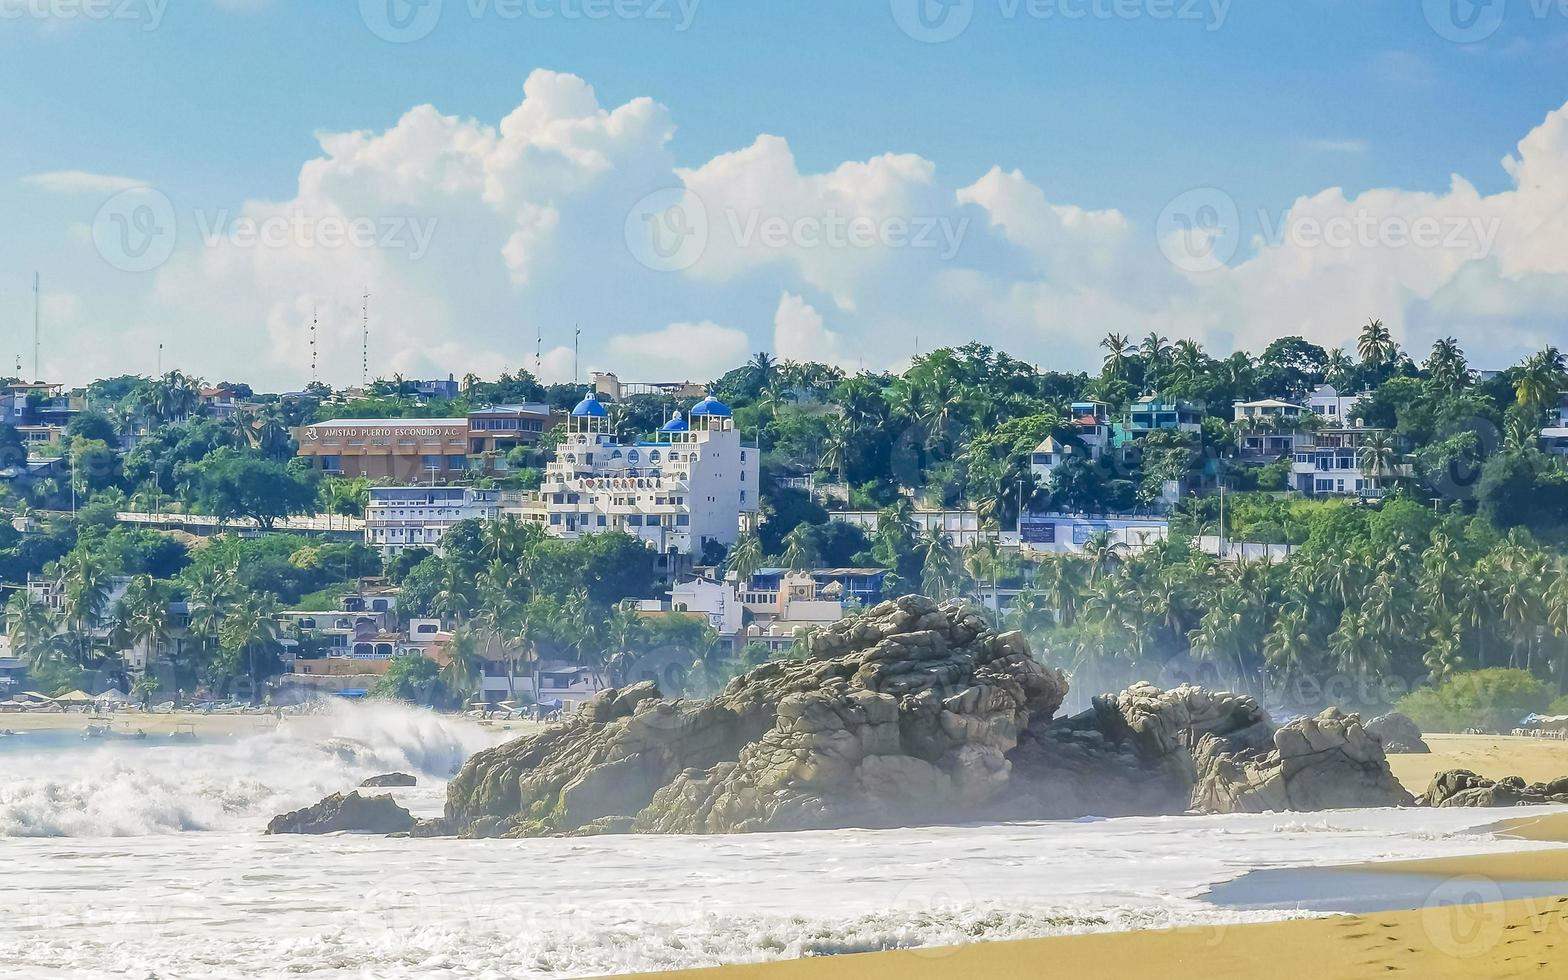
(679, 352)
(471, 236)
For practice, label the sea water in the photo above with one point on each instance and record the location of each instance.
(146, 859)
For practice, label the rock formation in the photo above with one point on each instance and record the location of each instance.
(1461, 787)
(913, 713)
(352, 813)
(389, 780)
(1399, 734)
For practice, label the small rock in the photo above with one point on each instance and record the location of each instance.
(391, 779)
(346, 814)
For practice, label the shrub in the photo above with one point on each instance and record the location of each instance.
(1494, 699)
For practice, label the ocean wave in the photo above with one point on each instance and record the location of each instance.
(136, 789)
(575, 947)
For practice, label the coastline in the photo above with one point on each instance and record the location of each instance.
(1450, 934)
(1508, 939)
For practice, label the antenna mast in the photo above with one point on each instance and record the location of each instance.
(315, 318)
(364, 367)
(37, 374)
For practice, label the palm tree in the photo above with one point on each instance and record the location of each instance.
(1446, 366)
(87, 587)
(455, 598)
(983, 560)
(835, 447)
(745, 558)
(1289, 646)
(936, 563)
(464, 666)
(1118, 349)
(762, 369)
(1539, 381)
(251, 628)
(1377, 456)
(1556, 603)
(799, 551)
(31, 628)
(507, 539)
(1101, 552)
(145, 611)
(1376, 345)
(1030, 611)
(1065, 577)
(1337, 367)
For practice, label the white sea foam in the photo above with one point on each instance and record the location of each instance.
(97, 881)
(123, 789)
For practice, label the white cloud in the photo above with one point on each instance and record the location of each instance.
(81, 182)
(799, 334)
(530, 223)
(679, 352)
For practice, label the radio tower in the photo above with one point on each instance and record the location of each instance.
(538, 352)
(315, 318)
(364, 366)
(37, 375)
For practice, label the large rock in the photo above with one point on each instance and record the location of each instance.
(1461, 787)
(1398, 733)
(351, 814)
(390, 780)
(912, 713)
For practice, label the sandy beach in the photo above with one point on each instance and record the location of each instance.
(1493, 756)
(1450, 935)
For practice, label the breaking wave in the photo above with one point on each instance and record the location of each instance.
(138, 788)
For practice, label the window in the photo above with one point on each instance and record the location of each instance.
(683, 520)
(430, 462)
(456, 461)
(332, 464)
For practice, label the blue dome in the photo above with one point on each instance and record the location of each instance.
(711, 406)
(676, 424)
(589, 408)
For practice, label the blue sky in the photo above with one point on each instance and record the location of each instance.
(216, 103)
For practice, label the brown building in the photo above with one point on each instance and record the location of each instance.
(387, 450)
(413, 451)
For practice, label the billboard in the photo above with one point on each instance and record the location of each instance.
(1033, 530)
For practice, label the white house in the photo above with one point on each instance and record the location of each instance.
(1332, 406)
(1047, 456)
(695, 483)
(1267, 428)
(419, 517)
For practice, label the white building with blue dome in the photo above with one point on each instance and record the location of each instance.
(695, 482)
